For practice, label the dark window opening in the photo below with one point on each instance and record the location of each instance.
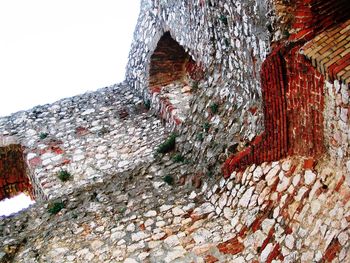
(13, 174)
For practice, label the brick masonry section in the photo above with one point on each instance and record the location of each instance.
(272, 143)
(169, 63)
(293, 106)
(293, 90)
(305, 105)
(330, 52)
(303, 19)
(13, 177)
(124, 203)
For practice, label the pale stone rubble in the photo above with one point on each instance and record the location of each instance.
(90, 135)
(118, 207)
(131, 215)
(134, 216)
(337, 123)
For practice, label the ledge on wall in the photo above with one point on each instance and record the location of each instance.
(329, 52)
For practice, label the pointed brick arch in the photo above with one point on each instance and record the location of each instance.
(172, 72)
(170, 62)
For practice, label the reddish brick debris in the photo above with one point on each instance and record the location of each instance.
(332, 251)
(232, 246)
(210, 259)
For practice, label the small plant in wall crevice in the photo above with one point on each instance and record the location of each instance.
(64, 175)
(43, 135)
(223, 19)
(195, 85)
(178, 158)
(168, 145)
(227, 42)
(210, 174)
(147, 104)
(206, 127)
(169, 179)
(200, 136)
(55, 207)
(214, 108)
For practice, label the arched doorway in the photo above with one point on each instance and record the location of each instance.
(173, 78)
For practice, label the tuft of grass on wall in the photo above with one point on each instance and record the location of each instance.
(286, 33)
(168, 179)
(214, 107)
(223, 19)
(64, 175)
(200, 136)
(55, 207)
(210, 174)
(43, 135)
(206, 127)
(168, 145)
(195, 86)
(178, 158)
(227, 42)
(147, 104)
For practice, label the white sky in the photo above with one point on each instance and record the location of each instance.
(12, 205)
(54, 49)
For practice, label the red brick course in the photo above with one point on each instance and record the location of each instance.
(330, 52)
(332, 251)
(307, 17)
(210, 259)
(232, 246)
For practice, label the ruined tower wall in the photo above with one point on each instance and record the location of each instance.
(229, 42)
(264, 99)
(268, 97)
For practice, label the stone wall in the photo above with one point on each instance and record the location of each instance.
(337, 124)
(229, 42)
(88, 136)
(286, 211)
(265, 107)
(257, 91)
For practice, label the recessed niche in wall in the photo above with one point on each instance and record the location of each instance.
(173, 76)
(13, 174)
